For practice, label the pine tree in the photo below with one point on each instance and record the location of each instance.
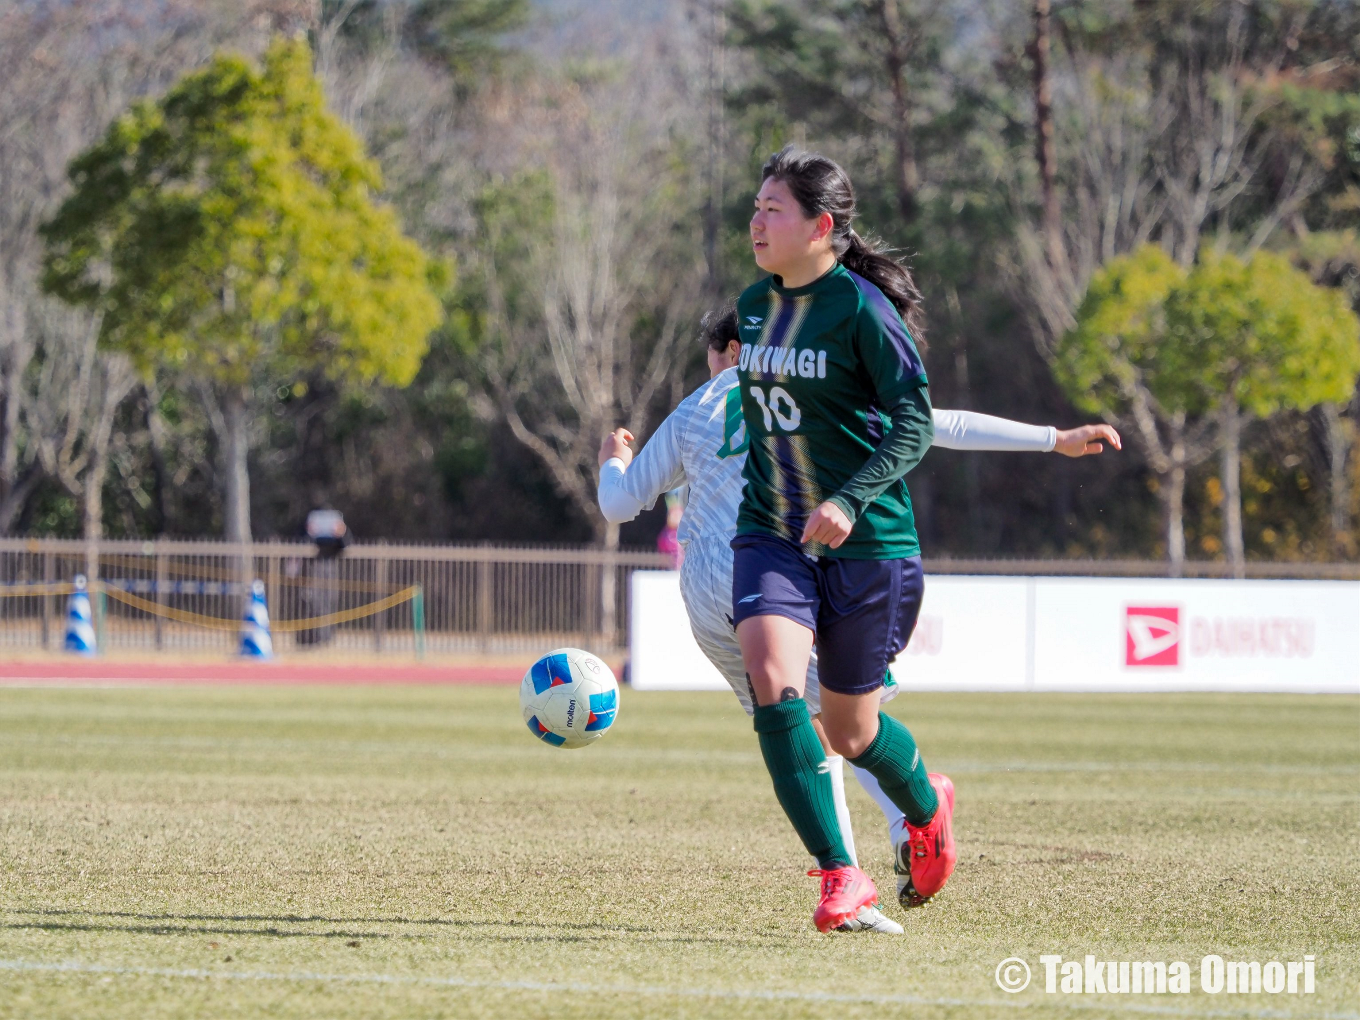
(228, 232)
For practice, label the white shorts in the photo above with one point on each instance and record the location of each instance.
(706, 586)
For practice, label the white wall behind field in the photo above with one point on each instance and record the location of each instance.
(979, 633)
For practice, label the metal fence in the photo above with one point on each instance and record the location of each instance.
(485, 599)
(179, 595)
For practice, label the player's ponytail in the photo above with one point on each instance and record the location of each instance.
(871, 259)
(821, 186)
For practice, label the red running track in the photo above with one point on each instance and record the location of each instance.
(85, 672)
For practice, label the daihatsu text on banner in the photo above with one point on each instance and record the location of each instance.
(1142, 634)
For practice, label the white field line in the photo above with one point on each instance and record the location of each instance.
(767, 995)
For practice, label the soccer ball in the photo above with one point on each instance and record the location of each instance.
(569, 698)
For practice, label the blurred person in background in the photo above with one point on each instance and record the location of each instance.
(321, 596)
(668, 541)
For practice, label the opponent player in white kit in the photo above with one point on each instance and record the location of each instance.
(702, 443)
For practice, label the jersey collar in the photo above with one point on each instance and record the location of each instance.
(835, 271)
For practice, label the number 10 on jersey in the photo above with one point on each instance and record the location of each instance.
(778, 408)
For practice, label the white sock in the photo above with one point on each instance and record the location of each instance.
(836, 770)
(893, 813)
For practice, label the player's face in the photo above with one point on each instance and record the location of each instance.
(720, 360)
(782, 238)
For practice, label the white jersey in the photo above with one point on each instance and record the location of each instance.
(703, 443)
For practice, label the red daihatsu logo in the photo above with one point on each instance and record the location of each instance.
(1152, 636)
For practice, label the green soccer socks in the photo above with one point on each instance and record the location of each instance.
(802, 782)
(895, 761)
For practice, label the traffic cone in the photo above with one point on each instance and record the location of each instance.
(255, 640)
(80, 620)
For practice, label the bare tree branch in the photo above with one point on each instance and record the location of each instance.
(620, 274)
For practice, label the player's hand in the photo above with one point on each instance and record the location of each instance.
(827, 525)
(1079, 442)
(616, 445)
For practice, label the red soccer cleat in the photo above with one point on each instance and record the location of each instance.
(925, 859)
(844, 892)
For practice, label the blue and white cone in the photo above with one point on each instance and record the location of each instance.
(80, 620)
(255, 640)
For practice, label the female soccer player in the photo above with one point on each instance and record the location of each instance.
(826, 545)
(703, 443)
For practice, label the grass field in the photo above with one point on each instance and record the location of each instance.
(412, 852)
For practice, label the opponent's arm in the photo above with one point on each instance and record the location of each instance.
(967, 430)
(629, 485)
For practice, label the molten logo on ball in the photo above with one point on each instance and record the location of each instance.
(569, 698)
(1152, 636)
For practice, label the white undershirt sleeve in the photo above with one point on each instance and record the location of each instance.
(625, 491)
(966, 430)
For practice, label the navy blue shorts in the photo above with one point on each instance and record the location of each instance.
(862, 611)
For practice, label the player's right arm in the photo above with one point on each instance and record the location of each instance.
(628, 484)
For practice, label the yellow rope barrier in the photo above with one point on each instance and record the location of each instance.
(282, 626)
(169, 612)
(26, 590)
(229, 574)
(346, 615)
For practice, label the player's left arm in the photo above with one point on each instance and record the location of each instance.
(968, 430)
(1084, 439)
(899, 378)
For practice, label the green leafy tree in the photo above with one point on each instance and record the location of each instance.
(1260, 337)
(1186, 357)
(1121, 362)
(228, 232)
(1332, 259)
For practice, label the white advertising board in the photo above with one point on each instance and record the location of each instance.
(1072, 634)
(1146, 634)
(663, 655)
(972, 635)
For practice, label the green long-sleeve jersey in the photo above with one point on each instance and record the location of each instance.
(836, 407)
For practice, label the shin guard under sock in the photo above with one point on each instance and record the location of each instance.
(895, 761)
(798, 767)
